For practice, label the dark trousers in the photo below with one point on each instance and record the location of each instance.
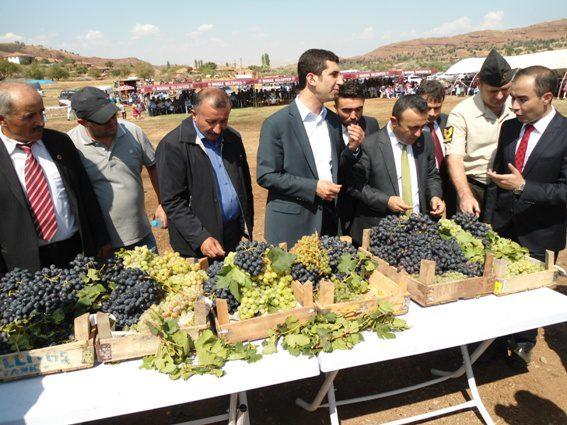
(330, 223)
(60, 253)
(231, 235)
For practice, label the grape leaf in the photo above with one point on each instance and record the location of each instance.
(281, 260)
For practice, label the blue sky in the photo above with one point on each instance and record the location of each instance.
(228, 31)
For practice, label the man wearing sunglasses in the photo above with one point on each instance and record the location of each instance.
(114, 152)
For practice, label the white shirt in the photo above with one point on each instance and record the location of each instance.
(397, 150)
(439, 134)
(66, 222)
(539, 127)
(319, 139)
(345, 134)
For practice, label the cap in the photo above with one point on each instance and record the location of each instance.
(92, 104)
(495, 70)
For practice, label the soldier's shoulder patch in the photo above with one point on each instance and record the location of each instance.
(448, 134)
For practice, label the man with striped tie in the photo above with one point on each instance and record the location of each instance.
(48, 209)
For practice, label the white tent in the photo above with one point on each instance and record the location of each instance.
(553, 59)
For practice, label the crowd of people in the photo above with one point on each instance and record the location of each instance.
(500, 154)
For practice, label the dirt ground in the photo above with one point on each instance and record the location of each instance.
(535, 396)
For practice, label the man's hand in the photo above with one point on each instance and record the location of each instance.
(469, 204)
(104, 251)
(396, 204)
(437, 206)
(355, 136)
(160, 215)
(507, 181)
(212, 248)
(327, 190)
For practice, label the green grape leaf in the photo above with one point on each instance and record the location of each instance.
(295, 340)
(281, 260)
(347, 264)
(269, 346)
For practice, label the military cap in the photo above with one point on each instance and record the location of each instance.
(495, 70)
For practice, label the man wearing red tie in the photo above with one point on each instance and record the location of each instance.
(433, 92)
(48, 208)
(527, 198)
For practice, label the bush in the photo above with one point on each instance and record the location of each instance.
(56, 72)
(34, 72)
(8, 69)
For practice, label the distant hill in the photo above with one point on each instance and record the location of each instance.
(441, 52)
(52, 55)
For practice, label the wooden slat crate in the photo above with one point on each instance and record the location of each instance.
(258, 327)
(509, 285)
(113, 346)
(395, 293)
(58, 358)
(425, 292)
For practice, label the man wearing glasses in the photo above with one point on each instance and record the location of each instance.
(113, 152)
(48, 208)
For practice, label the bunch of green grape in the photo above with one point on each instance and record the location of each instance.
(266, 299)
(310, 252)
(523, 266)
(472, 247)
(508, 249)
(192, 280)
(449, 277)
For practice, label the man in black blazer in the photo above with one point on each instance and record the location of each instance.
(75, 220)
(204, 181)
(300, 155)
(433, 92)
(527, 198)
(349, 105)
(397, 172)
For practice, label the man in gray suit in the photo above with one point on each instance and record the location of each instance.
(300, 155)
(397, 173)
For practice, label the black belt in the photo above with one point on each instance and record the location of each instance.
(61, 244)
(477, 183)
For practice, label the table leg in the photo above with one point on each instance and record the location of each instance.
(232, 409)
(316, 403)
(472, 385)
(474, 357)
(333, 414)
(243, 409)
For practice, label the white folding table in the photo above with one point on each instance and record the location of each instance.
(111, 390)
(441, 327)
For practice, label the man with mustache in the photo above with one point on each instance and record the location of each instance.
(48, 208)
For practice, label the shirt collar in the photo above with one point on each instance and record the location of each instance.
(541, 124)
(307, 115)
(88, 140)
(392, 135)
(487, 112)
(12, 144)
(203, 138)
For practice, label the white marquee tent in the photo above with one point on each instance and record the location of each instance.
(553, 59)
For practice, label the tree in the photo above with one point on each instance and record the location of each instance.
(56, 72)
(94, 72)
(168, 65)
(8, 69)
(34, 72)
(81, 69)
(109, 64)
(144, 70)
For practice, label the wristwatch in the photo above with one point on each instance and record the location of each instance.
(518, 191)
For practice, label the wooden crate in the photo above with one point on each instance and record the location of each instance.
(425, 292)
(113, 346)
(509, 285)
(395, 293)
(58, 358)
(258, 327)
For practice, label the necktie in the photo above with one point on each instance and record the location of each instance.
(39, 197)
(437, 145)
(521, 152)
(406, 179)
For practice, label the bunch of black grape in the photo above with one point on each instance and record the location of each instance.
(210, 288)
(133, 292)
(470, 223)
(404, 242)
(336, 247)
(303, 274)
(249, 256)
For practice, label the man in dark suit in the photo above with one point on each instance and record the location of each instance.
(204, 181)
(48, 208)
(355, 126)
(527, 198)
(300, 155)
(433, 92)
(397, 173)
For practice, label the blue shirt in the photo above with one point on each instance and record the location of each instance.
(230, 206)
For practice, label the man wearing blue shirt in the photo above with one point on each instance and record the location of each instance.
(205, 186)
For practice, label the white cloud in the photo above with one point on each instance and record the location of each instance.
(492, 19)
(141, 30)
(93, 35)
(366, 34)
(201, 29)
(10, 37)
(457, 26)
